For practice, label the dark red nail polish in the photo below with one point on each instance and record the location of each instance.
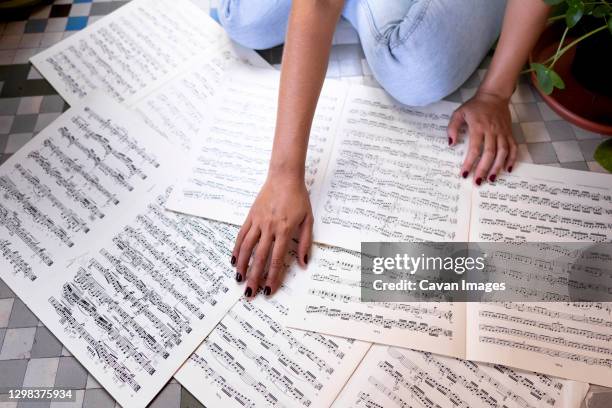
(248, 292)
(450, 141)
(306, 259)
(465, 174)
(478, 181)
(510, 169)
(233, 261)
(267, 291)
(492, 178)
(238, 277)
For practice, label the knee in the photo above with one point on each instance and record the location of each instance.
(255, 24)
(419, 84)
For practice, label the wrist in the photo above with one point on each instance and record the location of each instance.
(287, 171)
(502, 90)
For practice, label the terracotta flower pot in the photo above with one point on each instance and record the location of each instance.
(584, 108)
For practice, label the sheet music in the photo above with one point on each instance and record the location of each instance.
(252, 360)
(136, 47)
(392, 175)
(327, 299)
(177, 110)
(129, 289)
(537, 203)
(390, 376)
(226, 172)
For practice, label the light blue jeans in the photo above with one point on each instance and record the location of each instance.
(419, 50)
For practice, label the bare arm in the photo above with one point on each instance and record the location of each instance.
(486, 114)
(282, 208)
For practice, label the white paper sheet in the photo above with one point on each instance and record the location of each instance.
(225, 173)
(544, 204)
(129, 289)
(328, 300)
(392, 175)
(390, 376)
(142, 44)
(391, 171)
(252, 360)
(178, 109)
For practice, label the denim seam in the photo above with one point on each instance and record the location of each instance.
(379, 37)
(419, 19)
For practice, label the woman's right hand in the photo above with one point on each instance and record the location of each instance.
(280, 212)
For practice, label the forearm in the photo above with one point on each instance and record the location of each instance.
(523, 23)
(306, 53)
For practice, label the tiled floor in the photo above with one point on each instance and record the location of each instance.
(29, 354)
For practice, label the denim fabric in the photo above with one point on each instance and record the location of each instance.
(419, 50)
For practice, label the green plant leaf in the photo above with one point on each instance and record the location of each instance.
(601, 11)
(556, 79)
(603, 154)
(553, 2)
(574, 14)
(543, 78)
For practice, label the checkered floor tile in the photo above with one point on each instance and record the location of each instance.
(29, 354)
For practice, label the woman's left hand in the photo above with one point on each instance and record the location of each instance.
(488, 121)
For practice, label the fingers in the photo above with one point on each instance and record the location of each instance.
(512, 153)
(500, 158)
(258, 265)
(305, 240)
(475, 143)
(239, 239)
(454, 127)
(245, 251)
(487, 158)
(277, 264)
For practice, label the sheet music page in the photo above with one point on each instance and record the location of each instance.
(225, 174)
(390, 376)
(327, 299)
(252, 360)
(177, 109)
(392, 175)
(136, 47)
(543, 204)
(129, 289)
(70, 185)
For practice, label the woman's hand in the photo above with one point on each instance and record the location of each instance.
(280, 212)
(488, 122)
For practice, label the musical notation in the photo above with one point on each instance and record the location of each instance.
(406, 378)
(251, 359)
(130, 51)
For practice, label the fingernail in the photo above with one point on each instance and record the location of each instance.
(478, 181)
(510, 169)
(465, 174)
(238, 277)
(306, 259)
(450, 141)
(492, 178)
(233, 261)
(267, 291)
(248, 292)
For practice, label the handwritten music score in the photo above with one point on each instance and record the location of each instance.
(130, 289)
(142, 44)
(251, 359)
(390, 376)
(391, 174)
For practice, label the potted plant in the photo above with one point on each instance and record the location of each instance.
(571, 66)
